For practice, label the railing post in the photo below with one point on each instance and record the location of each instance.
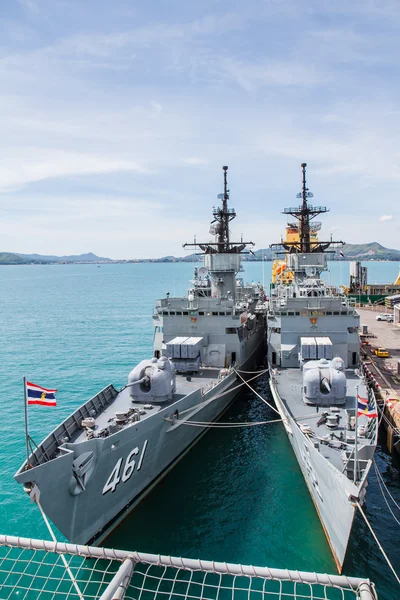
(366, 591)
(118, 585)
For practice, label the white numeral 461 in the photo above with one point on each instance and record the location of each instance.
(123, 474)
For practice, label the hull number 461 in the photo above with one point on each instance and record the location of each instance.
(123, 472)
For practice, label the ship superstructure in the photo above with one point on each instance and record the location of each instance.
(280, 273)
(113, 449)
(314, 357)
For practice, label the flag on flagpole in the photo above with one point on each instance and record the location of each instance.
(365, 409)
(36, 394)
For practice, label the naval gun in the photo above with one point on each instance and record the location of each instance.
(324, 382)
(153, 380)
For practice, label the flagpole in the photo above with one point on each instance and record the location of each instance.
(356, 441)
(26, 423)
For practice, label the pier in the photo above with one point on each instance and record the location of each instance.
(383, 372)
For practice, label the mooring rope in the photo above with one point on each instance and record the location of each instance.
(53, 537)
(384, 484)
(383, 494)
(252, 372)
(257, 394)
(213, 425)
(378, 542)
(231, 389)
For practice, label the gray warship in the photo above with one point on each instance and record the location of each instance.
(315, 377)
(102, 460)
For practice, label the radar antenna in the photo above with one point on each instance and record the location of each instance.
(222, 217)
(305, 213)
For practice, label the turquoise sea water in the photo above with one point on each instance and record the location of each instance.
(238, 495)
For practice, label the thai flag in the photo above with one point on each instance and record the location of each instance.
(40, 395)
(365, 409)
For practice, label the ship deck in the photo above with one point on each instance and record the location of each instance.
(185, 385)
(288, 384)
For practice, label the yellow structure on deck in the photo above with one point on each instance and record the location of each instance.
(280, 274)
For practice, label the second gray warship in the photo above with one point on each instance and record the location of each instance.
(114, 448)
(329, 414)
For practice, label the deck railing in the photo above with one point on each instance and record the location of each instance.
(37, 569)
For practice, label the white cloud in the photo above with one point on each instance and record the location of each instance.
(121, 106)
(385, 218)
(35, 164)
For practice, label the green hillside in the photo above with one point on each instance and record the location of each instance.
(370, 251)
(7, 258)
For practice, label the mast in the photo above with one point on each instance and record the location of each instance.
(222, 218)
(222, 215)
(305, 242)
(305, 213)
(222, 257)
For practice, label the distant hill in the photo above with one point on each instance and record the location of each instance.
(89, 257)
(13, 258)
(188, 258)
(369, 251)
(8, 258)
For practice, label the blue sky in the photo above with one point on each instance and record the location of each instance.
(116, 118)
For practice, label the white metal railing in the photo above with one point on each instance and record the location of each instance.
(32, 569)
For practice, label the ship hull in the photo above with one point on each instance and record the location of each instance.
(332, 492)
(128, 464)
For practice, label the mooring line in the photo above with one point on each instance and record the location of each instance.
(257, 394)
(378, 542)
(74, 582)
(213, 425)
(228, 391)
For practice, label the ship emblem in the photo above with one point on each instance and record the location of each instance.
(313, 320)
